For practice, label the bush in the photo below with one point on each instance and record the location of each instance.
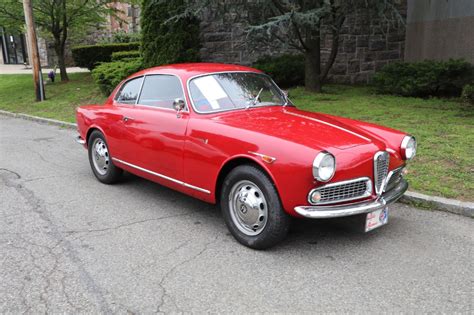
(88, 56)
(123, 55)
(109, 74)
(286, 70)
(426, 78)
(166, 40)
(468, 94)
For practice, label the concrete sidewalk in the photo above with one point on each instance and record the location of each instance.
(20, 69)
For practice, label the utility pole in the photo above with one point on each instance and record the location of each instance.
(34, 57)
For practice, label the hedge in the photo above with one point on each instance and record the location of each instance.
(122, 55)
(109, 74)
(286, 70)
(425, 78)
(89, 56)
(468, 94)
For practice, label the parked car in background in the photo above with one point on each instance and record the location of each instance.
(227, 134)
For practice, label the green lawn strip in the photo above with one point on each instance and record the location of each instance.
(17, 95)
(444, 128)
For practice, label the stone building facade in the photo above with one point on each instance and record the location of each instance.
(366, 43)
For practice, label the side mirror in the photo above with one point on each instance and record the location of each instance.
(178, 105)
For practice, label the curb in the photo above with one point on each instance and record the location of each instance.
(48, 121)
(413, 198)
(439, 203)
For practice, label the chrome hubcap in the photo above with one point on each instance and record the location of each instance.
(248, 208)
(100, 156)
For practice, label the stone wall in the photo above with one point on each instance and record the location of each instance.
(366, 43)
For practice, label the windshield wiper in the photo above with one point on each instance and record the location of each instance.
(255, 99)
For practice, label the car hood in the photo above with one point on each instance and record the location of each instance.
(313, 130)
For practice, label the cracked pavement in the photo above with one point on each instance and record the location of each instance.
(70, 244)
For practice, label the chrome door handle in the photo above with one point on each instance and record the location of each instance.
(125, 118)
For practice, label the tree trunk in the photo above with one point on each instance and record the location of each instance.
(59, 48)
(62, 66)
(312, 78)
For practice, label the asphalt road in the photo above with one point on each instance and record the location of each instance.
(71, 244)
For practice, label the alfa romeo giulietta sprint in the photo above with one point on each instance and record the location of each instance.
(227, 134)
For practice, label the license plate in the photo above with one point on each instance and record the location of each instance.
(376, 219)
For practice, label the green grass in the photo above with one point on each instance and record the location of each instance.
(17, 95)
(444, 129)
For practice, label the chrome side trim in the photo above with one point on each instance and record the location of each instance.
(329, 124)
(163, 176)
(367, 193)
(326, 212)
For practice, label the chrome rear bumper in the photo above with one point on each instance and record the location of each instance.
(80, 140)
(322, 212)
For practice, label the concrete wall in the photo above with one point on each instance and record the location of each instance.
(440, 29)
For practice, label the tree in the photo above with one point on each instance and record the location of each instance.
(57, 18)
(166, 40)
(300, 24)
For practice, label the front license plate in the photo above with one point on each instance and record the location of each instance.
(376, 219)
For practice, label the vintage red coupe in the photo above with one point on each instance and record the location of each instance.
(227, 134)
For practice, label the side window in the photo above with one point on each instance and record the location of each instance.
(160, 91)
(128, 94)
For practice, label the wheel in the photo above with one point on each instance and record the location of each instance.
(252, 209)
(100, 160)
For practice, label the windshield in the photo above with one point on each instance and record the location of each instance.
(233, 90)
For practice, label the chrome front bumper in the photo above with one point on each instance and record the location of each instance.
(324, 212)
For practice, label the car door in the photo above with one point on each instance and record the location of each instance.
(119, 136)
(158, 131)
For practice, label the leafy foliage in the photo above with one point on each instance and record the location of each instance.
(468, 94)
(109, 74)
(122, 37)
(59, 19)
(89, 56)
(426, 78)
(123, 55)
(166, 40)
(287, 70)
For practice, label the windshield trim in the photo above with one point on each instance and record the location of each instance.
(230, 109)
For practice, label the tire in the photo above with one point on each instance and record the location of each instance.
(100, 160)
(252, 209)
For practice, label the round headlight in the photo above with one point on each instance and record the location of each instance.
(324, 166)
(408, 147)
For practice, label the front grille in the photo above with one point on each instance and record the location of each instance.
(394, 178)
(381, 161)
(343, 191)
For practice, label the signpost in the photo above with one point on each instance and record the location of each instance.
(34, 54)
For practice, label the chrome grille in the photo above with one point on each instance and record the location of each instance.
(394, 178)
(381, 162)
(343, 191)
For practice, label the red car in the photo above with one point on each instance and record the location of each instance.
(227, 134)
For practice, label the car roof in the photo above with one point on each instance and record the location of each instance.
(187, 70)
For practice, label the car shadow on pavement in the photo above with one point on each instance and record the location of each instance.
(303, 232)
